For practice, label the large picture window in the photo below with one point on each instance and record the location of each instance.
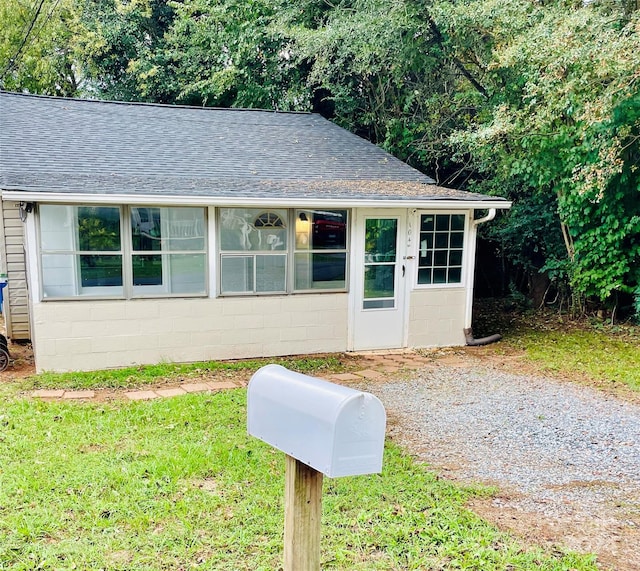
(90, 251)
(261, 248)
(441, 248)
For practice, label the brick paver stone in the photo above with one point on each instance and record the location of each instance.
(345, 377)
(195, 387)
(390, 369)
(370, 374)
(142, 395)
(221, 385)
(79, 394)
(48, 394)
(170, 392)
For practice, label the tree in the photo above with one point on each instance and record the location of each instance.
(36, 52)
(563, 124)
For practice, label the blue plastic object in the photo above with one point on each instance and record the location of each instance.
(2, 286)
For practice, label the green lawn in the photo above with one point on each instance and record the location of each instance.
(176, 484)
(585, 353)
(139, 376)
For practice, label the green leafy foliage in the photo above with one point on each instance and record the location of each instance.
(37, 48)
(537, 102)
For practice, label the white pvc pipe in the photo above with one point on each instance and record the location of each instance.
(471, 257)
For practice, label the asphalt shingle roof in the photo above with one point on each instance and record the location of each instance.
(56, 145)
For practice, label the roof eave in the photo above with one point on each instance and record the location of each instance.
(432, 203)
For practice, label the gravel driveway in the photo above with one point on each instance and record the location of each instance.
(566, 458)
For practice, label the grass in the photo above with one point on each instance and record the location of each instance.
(596, 354)
(580, 349)
(177, 484)
(132, 377)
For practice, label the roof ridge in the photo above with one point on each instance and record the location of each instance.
(153, 104)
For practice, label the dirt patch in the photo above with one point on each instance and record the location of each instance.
(612, 535)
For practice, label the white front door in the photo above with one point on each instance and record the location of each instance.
(378, 281)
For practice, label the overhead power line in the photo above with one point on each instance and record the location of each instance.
(14, 59)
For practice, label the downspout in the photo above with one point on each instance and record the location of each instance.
(468, 332)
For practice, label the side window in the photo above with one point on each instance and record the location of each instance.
(87, 251)
(168, 253)
(441, 248)
(81, 250)
(320, 257)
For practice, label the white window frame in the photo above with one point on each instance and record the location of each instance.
(290, 254)
(127, 254)
(465, 248)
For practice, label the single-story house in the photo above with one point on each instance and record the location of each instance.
(140, 233)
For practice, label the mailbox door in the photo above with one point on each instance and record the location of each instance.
(379, 281)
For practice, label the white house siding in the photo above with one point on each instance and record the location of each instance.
(88, 335)
(437, 317)
(16, 306)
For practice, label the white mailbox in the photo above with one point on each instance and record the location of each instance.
(336, 430)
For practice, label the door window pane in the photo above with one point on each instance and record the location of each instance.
(380, 240)
(379, 281)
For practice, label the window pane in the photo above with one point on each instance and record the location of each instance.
(58, 275)
(187, 273)
(321, 229)
(424, 276)
(455, 275)
(440, 258)
(457, 239)
(442, 240)
(440, 276)
(98, 228)
(379, 281)
(455, 258)
(380, 240)
(320, 271)
(378, 303)
(147, 270)
(271, 272)
(184, 229)
(442, 222)
(457, 222)
(426, 241)
(236, 274)
(100, 271)
(146, 230)
(426, 224)
(425, 258)
(57, 227)
(253, 229)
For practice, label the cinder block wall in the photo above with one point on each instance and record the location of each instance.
(436, 317)
(88, 335)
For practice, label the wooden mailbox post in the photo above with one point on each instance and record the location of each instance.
(324, 429)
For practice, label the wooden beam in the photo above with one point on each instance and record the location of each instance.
(302, 515)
